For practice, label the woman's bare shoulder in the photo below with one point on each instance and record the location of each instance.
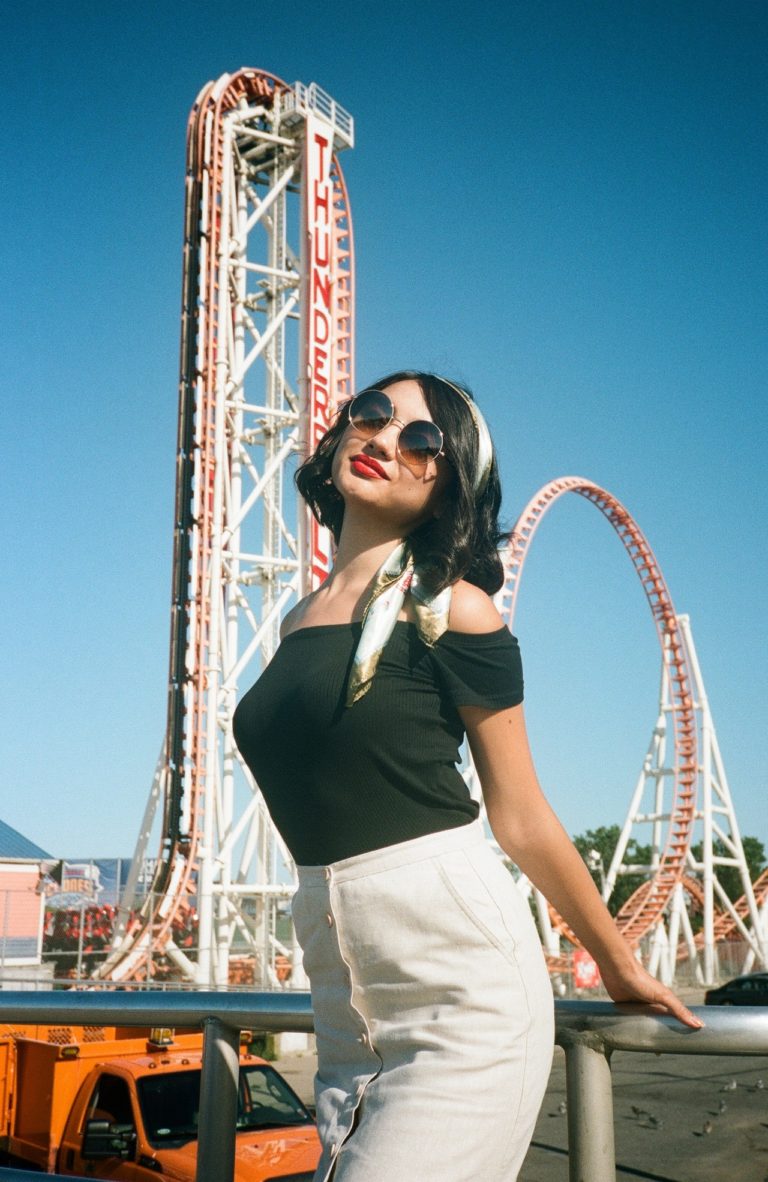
(292, 620)
(472, 610)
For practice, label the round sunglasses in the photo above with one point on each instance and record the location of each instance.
(417, 443)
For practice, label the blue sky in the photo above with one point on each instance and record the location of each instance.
(561, 204)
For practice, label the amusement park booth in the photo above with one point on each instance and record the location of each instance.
(22, 906)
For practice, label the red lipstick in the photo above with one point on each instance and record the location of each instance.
(367, 466)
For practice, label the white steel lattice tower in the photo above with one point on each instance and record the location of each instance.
(719, 845)
(266, 354)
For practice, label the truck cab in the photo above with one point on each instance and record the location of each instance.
(127, 1108)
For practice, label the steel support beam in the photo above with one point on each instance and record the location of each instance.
(218, 1102)
(591, 1153)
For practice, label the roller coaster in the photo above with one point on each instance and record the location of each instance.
(267, 292)
(695, 770)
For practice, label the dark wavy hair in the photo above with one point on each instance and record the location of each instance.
(462, 543)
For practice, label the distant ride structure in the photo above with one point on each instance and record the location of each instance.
(268, 293)
(682, 782)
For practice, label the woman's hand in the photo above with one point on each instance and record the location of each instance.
(631, 983)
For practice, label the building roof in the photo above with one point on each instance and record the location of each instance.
(14, 845)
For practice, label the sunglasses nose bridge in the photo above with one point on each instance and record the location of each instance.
(416, 453)
(392, 428)
(395, 423)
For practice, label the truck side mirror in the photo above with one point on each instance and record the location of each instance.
(104, 1139)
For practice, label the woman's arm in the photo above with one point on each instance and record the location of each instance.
(528, 831)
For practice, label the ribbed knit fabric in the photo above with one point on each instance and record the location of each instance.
(343, 781)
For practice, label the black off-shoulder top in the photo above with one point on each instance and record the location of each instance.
(341, 780)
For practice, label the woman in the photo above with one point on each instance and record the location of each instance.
(433, 1009)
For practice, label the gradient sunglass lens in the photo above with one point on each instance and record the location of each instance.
(420, 442)
(370, 412)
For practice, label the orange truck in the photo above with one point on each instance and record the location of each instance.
(109, 1102)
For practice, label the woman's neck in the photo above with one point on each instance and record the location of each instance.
(359, 556)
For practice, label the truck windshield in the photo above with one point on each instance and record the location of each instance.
(170, 1102)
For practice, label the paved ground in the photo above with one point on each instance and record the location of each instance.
(679, 1098)
(666, 1142)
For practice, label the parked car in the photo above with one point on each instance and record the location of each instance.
(742, 991)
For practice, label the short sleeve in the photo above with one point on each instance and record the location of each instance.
(480, 669)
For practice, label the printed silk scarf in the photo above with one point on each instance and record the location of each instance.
(396, 578)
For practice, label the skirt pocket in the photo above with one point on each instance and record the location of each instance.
(477, 901)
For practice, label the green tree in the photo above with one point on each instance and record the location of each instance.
(597, 847)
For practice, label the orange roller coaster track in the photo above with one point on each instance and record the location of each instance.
(642, 911)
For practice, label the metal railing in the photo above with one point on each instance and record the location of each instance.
(587, 1031)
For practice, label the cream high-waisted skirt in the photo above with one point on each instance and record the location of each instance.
(433, 1012)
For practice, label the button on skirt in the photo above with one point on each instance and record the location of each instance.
(433, 1012)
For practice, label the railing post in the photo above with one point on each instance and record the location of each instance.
(218, 1102)
(591, 1156)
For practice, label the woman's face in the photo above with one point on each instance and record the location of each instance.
(370, 475)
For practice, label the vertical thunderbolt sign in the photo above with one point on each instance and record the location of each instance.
(320, 321)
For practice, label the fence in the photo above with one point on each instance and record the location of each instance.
(588, 1032)
(72, 935)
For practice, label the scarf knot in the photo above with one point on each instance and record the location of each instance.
(397, 577)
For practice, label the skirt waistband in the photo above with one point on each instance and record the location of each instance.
(390, 857)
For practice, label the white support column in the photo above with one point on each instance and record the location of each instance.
(678, 907)
(549, 936)
(659, 949)
(690, 943)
